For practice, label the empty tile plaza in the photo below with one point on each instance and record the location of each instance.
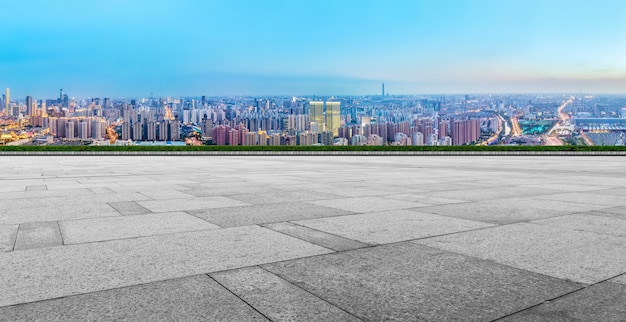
(313, 238)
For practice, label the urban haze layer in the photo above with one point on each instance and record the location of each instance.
(383, 119)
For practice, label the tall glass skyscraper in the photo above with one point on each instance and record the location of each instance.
(316, 110)
(333, 117)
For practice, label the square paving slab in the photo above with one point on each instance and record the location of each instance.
(197, 298)
(409, 282)
(278, 299)
(7, 237)
(603, 302)
(391, 226)
(620, 279)
(265, 213)
(491, 213)
(108, 228)
(38, 235)
(47, 273)
(366, 204)
(594, 198)
(316, 237)
(190, 204)
(597, 224)
(59, 210)
(580, 256)
(129, 208)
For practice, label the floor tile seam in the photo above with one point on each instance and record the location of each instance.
(577, 202)
(528, 221)
(365, 212)
(102, 290)
(58, 225)
(238, 297)
(539, 200)
(302, 239)
(583, 287)
(413, 240)
(148, 236)
(28, 222)
(367, 245)
(311, 293)
(14, 239)
(538, 304)
(210, 222)
(124, 215)
(581, 230)
(580, 285)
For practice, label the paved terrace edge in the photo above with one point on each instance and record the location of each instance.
(313, 153)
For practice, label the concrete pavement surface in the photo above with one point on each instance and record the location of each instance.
(313, 238)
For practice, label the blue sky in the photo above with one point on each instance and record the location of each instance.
(340, 47)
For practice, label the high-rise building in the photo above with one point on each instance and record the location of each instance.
(7, 101)
(383, 90)
(316, 110)
(333, 117)
(418, 138)
(29, 105)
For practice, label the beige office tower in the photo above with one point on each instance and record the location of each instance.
(7, 102)
(316, 112)
(333, 118)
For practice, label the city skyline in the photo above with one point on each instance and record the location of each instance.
(122, 49)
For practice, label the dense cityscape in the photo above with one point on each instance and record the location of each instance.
(383, 119)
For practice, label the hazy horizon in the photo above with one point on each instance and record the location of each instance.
(121, 48)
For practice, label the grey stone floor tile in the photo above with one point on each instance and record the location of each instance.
(7, 237)
(613, 191)
(47, 273)
(190, 204)
(594, 198)
(265, 213)
(578, 256)
(366, 204)
(165, 194)
(196, 298)
(277, 196)
(534, 202)
(339, 192)
(42, 187)
(38, 235)
(491, 213)
(109, 228)
(390, 226)
(567, 187)
(597, 224)
(619, 212)
(620, 279)
(101, 190)
(117, 197)
(278, 299)
(316, 237)
(423, 199)
(61, 211)
(228, 191)
(129, 208)
(480, 194)
(30, 195)
(25, 203)
(604, 302)
(409, 282)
